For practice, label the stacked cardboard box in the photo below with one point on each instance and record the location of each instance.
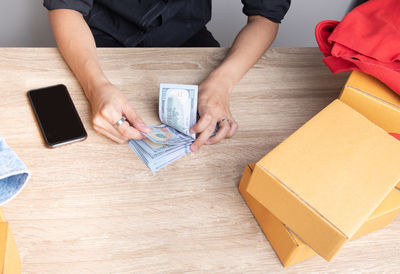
(334, 179)
(289, 248)
(10, 262)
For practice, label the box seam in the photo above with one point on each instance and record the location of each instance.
(298, 236)
(369, 94)
(291, 236)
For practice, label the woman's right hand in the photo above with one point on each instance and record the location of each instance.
(109, 105)
(77, 45)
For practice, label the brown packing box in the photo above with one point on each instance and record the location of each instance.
(10, 261)
(374, 100)
(322, 180)
(279, 237)
(291, 249)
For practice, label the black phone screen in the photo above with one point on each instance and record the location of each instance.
(56, 114)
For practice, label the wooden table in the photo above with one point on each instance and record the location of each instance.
(95, 207)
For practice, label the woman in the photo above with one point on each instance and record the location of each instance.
(79, 26)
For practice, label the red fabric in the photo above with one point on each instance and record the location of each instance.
(367, 39)
(396, 135)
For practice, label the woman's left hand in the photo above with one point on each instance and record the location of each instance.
(213, 107)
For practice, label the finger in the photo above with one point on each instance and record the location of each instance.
(129, 132)
(201, 140)
(224, 128)
(233, 128)
(101, 123)
(108, 135)
(124, 129)
(135, 120)
(202, 124)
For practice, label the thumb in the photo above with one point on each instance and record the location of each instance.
(135, 120)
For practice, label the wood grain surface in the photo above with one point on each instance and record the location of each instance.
(94, 207)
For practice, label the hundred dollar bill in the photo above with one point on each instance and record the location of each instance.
(164, 134)
(178, 107)
(156, 150)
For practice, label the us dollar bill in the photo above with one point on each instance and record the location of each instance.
(164, 134)
(170, 141)
(178, 107)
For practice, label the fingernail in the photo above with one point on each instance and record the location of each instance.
(208, 143)
(144, 128)
(193, 148)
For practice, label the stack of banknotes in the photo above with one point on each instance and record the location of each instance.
(170, 141)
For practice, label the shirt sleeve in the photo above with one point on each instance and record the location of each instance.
(273, 10)
(83, 6)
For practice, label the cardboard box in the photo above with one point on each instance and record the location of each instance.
(374, 100)
(322, 180)
(280, 238)
(289, 248)
(10, 261)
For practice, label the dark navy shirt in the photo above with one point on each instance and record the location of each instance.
(157, 23)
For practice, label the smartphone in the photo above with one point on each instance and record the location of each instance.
(56, 115)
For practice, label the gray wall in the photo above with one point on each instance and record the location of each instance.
(24, 23)
(296, 30)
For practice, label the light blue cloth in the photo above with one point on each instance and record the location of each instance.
(13, 173)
